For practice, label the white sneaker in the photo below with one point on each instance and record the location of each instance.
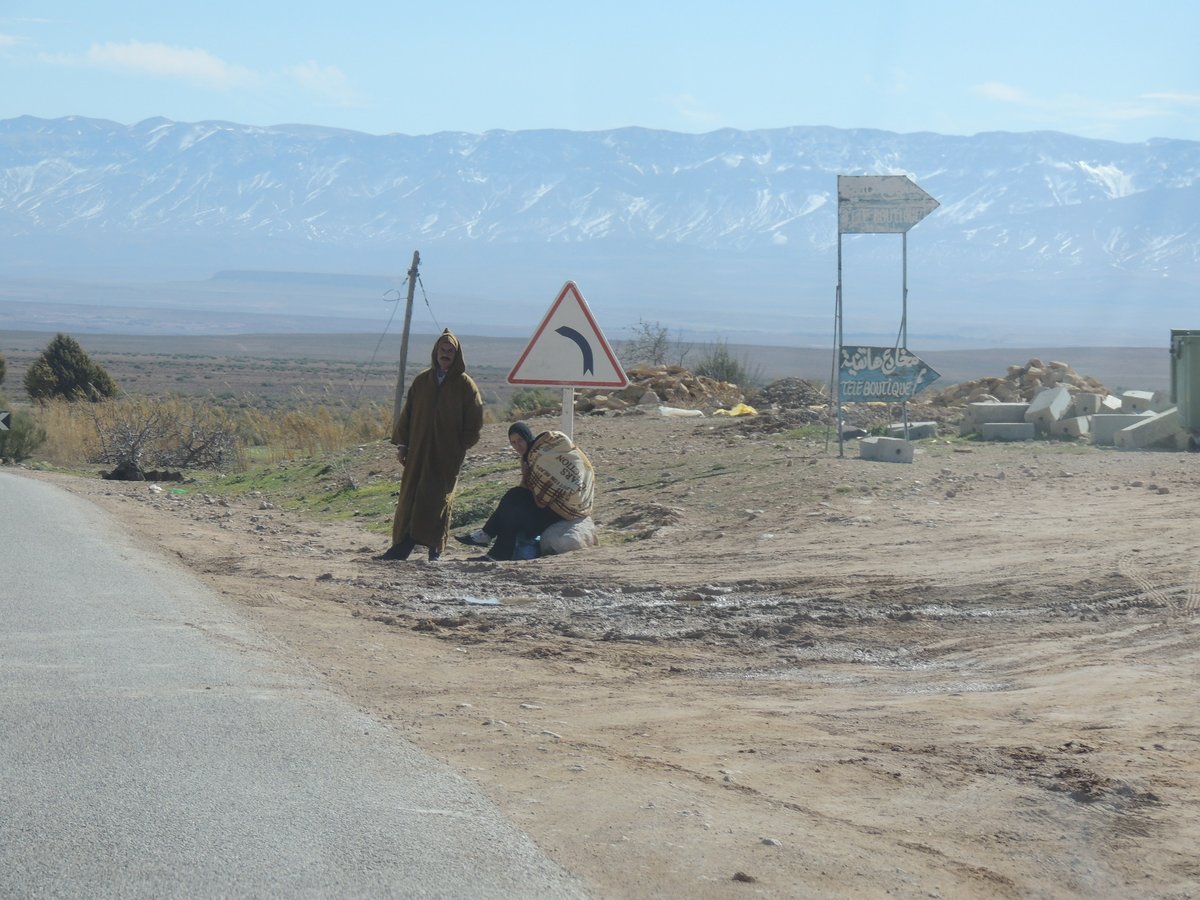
(477, 538)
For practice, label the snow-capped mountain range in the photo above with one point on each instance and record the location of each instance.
(1041, 235)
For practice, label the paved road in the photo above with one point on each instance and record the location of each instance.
(153, 744)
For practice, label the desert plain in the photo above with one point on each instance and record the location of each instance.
(785, 671)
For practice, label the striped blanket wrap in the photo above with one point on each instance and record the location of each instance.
(560, 475)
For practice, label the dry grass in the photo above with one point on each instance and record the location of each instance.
(71, 437)
(76, 433)
(310, 430)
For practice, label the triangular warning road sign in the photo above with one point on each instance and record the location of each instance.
(568, 349)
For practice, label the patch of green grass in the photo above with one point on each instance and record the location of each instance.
(475, 502)
(503, 469)
(848, 489)
(1070, 446)
(372, 501)
(944, 445)
(616, 539)
(321, 488)
(280, 481)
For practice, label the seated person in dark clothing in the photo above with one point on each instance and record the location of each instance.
(557, 483)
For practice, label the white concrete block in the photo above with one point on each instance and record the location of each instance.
(885, 449)
(1048, 407)
(1086, 403)
(1007, 431)
(1075, 426)
(1137, 401)
(1149, 430)
(1105, 425)
(917, 431)
(996, 412)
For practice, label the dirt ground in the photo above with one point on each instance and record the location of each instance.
(784, 673)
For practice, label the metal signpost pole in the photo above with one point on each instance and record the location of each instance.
(837, 349)
(880, 204)
(568, 412)
(904, 317)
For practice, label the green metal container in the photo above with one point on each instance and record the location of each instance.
(1185, 376)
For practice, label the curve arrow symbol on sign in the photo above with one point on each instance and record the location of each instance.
(5, 421)
(589, 365)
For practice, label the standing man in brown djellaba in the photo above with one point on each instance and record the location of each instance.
(441, 419)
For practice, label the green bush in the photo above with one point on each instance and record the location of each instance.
(23, 437)
(65, 370)
(530, 400)
(719, 364)
(3, 368)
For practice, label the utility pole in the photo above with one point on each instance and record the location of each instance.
(398, 403)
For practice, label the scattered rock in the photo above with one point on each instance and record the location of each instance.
(652, 386)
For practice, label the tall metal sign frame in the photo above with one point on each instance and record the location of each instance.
(875, 204)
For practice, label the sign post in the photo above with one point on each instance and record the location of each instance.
(877, 204)
(568, 350)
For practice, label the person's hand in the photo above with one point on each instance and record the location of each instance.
(402, 455)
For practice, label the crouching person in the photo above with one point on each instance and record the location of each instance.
(557, 484)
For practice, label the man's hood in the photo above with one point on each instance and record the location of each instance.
(459, 365)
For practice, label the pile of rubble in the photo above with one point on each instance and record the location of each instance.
(1053, 400)
(1021, 384)
(1043, 399)
(787, 404)
(672, 386)
(793, 402)
(1133, 420)
(792, 393)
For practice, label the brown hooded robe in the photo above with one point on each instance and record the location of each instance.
(438, 423)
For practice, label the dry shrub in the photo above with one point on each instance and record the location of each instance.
(178, 433)
(171, 433)
(71, 438)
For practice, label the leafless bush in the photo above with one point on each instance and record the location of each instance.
(162, 434)
(651, 345)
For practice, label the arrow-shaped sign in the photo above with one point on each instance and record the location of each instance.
(880, 204)
(881, 373)
(5, 421)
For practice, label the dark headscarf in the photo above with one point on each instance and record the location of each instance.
(524, 431)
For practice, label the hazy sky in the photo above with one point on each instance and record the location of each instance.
(1121, 71)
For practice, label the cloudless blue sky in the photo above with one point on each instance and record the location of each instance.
(1119, 71)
